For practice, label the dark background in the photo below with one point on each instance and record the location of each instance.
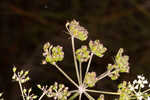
(25, 25)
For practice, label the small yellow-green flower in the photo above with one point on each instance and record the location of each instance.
(97, 48)
(122, 61)
(125, 92)
(90, 79)
(56, 91)
(83, 54)
(29, 95)
(76, 30)
(121, 65)
(21, 76)
(52, 54)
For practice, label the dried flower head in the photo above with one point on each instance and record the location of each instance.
(83, 54)
(97, 48)
(76, 30)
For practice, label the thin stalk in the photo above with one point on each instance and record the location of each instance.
(103, 92)
(89, 63)
(75, 60)
(103, 75)
(80, 66)
(146, 90)
(106, 74)
(42, 95)
(74, 96)
(20, 85)
(89, 96)
(65, 75)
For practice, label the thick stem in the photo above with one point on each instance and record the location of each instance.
(75, 60)
(103, 92)
(80, 96)
(89, 96)
(74, 96)
(65, 75)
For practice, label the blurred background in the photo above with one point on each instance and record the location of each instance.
(25, 25)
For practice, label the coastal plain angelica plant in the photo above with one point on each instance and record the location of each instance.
(53, 54)
(136, 90)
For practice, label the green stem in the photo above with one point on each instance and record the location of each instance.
(74, 96)
(89, 96)
(75, 60)
(103, 92)
(65, 75)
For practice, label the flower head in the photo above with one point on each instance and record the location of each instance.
(125, 92)
(29, 95)
(57, 91)
(21, 76)
(83, 54)
(97, 48)
(134, 89)
(90, 79)
(122, 61)
(121, 65)
(76, 30)
(52, 54)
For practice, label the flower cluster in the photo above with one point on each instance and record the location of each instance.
(97, 48)
(90, 79)
(21, 76)
(83, 54)
(28, 94)
(139, 83)
(57, 91)
(134, 90)
(76, 30)
(125, 92)
(52, 54)
(85, 79)
(121, 65)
